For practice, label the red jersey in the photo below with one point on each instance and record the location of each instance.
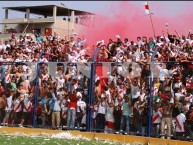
(73, 101)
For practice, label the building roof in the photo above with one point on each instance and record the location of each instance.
(48, 10)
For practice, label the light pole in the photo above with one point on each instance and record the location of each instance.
(68, 17)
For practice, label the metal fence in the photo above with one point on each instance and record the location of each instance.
(153, 99)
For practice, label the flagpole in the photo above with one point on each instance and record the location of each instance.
(151, 20)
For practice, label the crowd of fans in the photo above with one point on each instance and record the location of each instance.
(121, 102)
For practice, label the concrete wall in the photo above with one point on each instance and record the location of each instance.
(61, 28)
(21, 27)
(23, 20)
(41, 26)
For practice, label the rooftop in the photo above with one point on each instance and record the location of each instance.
(48, 10)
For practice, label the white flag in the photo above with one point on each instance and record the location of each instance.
(147, 8)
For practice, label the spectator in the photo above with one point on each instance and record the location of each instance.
(127, 112)
(100, 117)
(167, 118)
(172, 83)
(72, 110)
(56, 111)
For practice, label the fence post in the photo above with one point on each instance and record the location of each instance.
(150, 98)
(90, 100)
(89, 123)
(36, 97)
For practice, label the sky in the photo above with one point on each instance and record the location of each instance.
(124, 18)
(168, 7)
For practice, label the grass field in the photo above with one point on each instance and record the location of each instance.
(25, 140)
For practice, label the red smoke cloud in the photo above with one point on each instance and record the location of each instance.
(128, 20)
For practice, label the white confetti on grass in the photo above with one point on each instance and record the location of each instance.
(64, 135)
(67, 135)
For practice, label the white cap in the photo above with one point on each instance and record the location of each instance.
(27, 34)
(108, 73)
(118, 36)
(102, 42)
(118, 49)
(158, 100)
(102, 95)
(78, 94)
(77, 48)
(98, 42)
(75, 34)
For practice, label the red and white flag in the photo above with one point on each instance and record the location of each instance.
(147, 8)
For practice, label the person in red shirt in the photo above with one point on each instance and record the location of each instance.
(72, 110)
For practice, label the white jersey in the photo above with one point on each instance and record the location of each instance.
(43, 60)
(180, 120)
(17, 105)
(108, 95)
(27, 104)
(64, 108)
(8, 78)
(178, 85)
(121, 91)
(102, 107)
(81, 105)
(64, 112)
(156, 116)
(9, 104)
(109, 114)
(82, 52)
(60, 83)
(45, 77)
(72, 59)
(95, 111)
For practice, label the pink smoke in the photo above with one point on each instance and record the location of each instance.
(128, 20)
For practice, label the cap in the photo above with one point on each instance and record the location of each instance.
(158, 100)
(27, 34)
(75, 34)
(118, 36)
(102, 95)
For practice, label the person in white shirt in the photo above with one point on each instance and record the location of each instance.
(60, 82)
(180, 125)
(72, 57)
(64, 108)
(178, 84)
(17, 107)
(80, 110)
(8, 108)
(110, 117)
(27, 106)
(5, 46)
(100, 118)
(156, 119)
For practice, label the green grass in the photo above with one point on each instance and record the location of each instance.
(23, 140)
